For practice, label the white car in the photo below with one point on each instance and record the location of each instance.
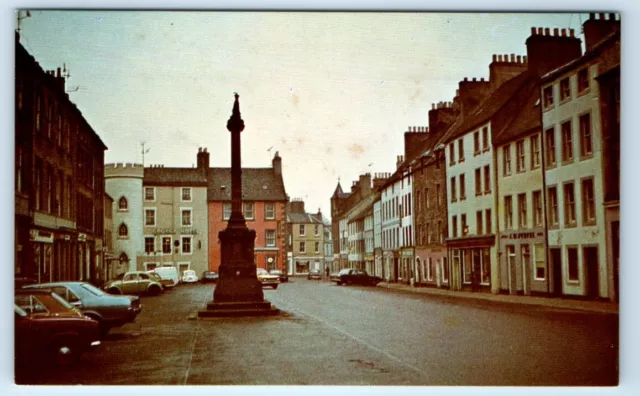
(189, 276)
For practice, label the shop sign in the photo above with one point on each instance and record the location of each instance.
(520, 235)
(41, 236)
(82, 237)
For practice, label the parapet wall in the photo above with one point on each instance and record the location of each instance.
(125, 169)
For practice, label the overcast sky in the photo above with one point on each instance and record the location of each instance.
(332, 92)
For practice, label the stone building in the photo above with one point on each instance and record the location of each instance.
(307, 239)
(59, 179)
(580, 119)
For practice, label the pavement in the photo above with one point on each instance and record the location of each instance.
(558, 303)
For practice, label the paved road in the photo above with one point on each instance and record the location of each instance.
(338, 335)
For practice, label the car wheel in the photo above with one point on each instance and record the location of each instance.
(339, 283)
(274, 287)
(114, 290)
(104, 329)
(65, 351)
(155, 290)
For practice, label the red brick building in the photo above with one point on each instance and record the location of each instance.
(263, 200)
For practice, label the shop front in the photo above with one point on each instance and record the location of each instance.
(472, 264)
(406, 270)
(523, 264)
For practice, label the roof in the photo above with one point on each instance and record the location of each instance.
(303, 218)
(338, 191)
(523, 118)
(160, 176)
(258, 184)
(489, 107)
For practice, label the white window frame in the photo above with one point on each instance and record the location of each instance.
(317, 247)
(145, 245)
(537, 260)
(273, 209)
(266, 238)
(162, 237)
(302, 230)
(445, 270)
(302, 247)
(190, 238)
(182, 210)
(153, 189)
(155, 215)
(182, 190)
(247, 205)
(225, 206)
(316, 230)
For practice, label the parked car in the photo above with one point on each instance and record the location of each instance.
(353, 276)
(169, 275)
(167, 284)
(280, 274)
(314, 274)
(209, 276)
(49, 328)
(134, 282)
(267, 279)
(189, 276)
(108, 310)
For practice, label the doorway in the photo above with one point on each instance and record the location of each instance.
(590, 257)
(556, 271)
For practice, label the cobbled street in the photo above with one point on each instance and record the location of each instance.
(347, 335)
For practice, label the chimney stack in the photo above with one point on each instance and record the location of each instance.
(597, 28)
(546, 52)
(276, 164)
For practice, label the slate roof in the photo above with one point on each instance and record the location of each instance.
(258, 184)
(159, 176)
(525, 116)
(303, 218)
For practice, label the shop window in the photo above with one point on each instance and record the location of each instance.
(572, 264)
(540, 269)
(486, 267)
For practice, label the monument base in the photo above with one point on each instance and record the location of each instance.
(238, 309)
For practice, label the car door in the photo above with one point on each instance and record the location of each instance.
(130, 283)
(359, 277)
(143, 284)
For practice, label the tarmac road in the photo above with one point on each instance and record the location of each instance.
(349, 335)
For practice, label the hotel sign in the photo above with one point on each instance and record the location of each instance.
(522, 235)
(170, 231)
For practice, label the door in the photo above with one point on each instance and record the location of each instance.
(394, 276)
(556, 271)
(511, 268)
(476, 269)
(525, 260)
(590, 257)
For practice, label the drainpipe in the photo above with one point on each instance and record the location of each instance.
(496, 216)
(543, 165)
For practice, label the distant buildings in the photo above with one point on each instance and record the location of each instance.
(306, 239)
(514, 187)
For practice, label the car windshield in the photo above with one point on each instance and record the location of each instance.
(39, 303)
(92, 289)
(189, 273)
(261, 271)
(345, 271)
(275, 271)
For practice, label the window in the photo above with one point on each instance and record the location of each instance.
(552, 197)
(487, 227)
(248, 210)
(466, 265)
(149, 244)
(572, 264)
(537, 208)
(453, 189)
(540, 269)
(463, 220)
(586, 145)
(479, 215)
(506, 160)
(123, 205)
(583, 79)
(476, 143)
(438, 197)
(269, 211)
(548, 96)
(431, 269)
(428, 233)
(525, 257)
(166, 245)
(186, 194)
(426, 198)
(149, 217)
(535, 151)
(478, 181)
(569, 205)
(149, 194)
(301, 230)
(270, 237)
(418, 201)
(485, 139)
(486, 267)
(522, 210)
(463, 190)
(588, 203)
(454, 226)
(567, 142)
(452, 157)
(316, 230)
(123, 231)
(508, 213)
(302, 247)
(487, 180)
(460, 150)
(551, 147)
(565, 90)
(441, 232)
(317, 250)
(226, 211)
(520, 153)
(186, 245)
(186, 217)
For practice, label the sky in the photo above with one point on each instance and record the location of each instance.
(333, 93)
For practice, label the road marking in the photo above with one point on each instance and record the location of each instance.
(375, 348)
(193, 349)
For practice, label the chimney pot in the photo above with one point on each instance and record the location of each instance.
(571, 32)
(499, 58)
(58, 74)
(540, 31)
(547, 32)
(513, 58)
(433, 106)
(524, 59)
(564, 32)
(533, 31)
(494, 57)
(519, 59)
(482, 79)
(555, 32)
(592, 15)
(474, 79)
(602, 16)
(612, 16)
(466, 79)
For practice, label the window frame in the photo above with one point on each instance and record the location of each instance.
(478, 181)
(249, 215)
(267, 238)
(570, 279)
(461, 150)
(521, 165)
(302, 230)
(567, 142)
(182, 244)
(508, 212)
(302, 247)
(584, 72)
(153, 239)
(485, 139)
(522, 211)
(153, 193)
(534, 148)
(182, 191)
(506, 160)
(121, 234)
(583, 138)
(146, 218)
(162, 245)
(537, 208)
(269, 207)
(122, 208)
(553, 206)
(547, 97)
(225, 206)
(569, 207)
(463, 187)
(182, 212)
(476, 143)
(551, 157)
(588, 220)
(565, 89)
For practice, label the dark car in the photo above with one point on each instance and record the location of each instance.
(109, 310)
(354, 276)
(209, 276)
(48, 328)
(314, 274)
(280, 274)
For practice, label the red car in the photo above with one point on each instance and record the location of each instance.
(49, 328)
